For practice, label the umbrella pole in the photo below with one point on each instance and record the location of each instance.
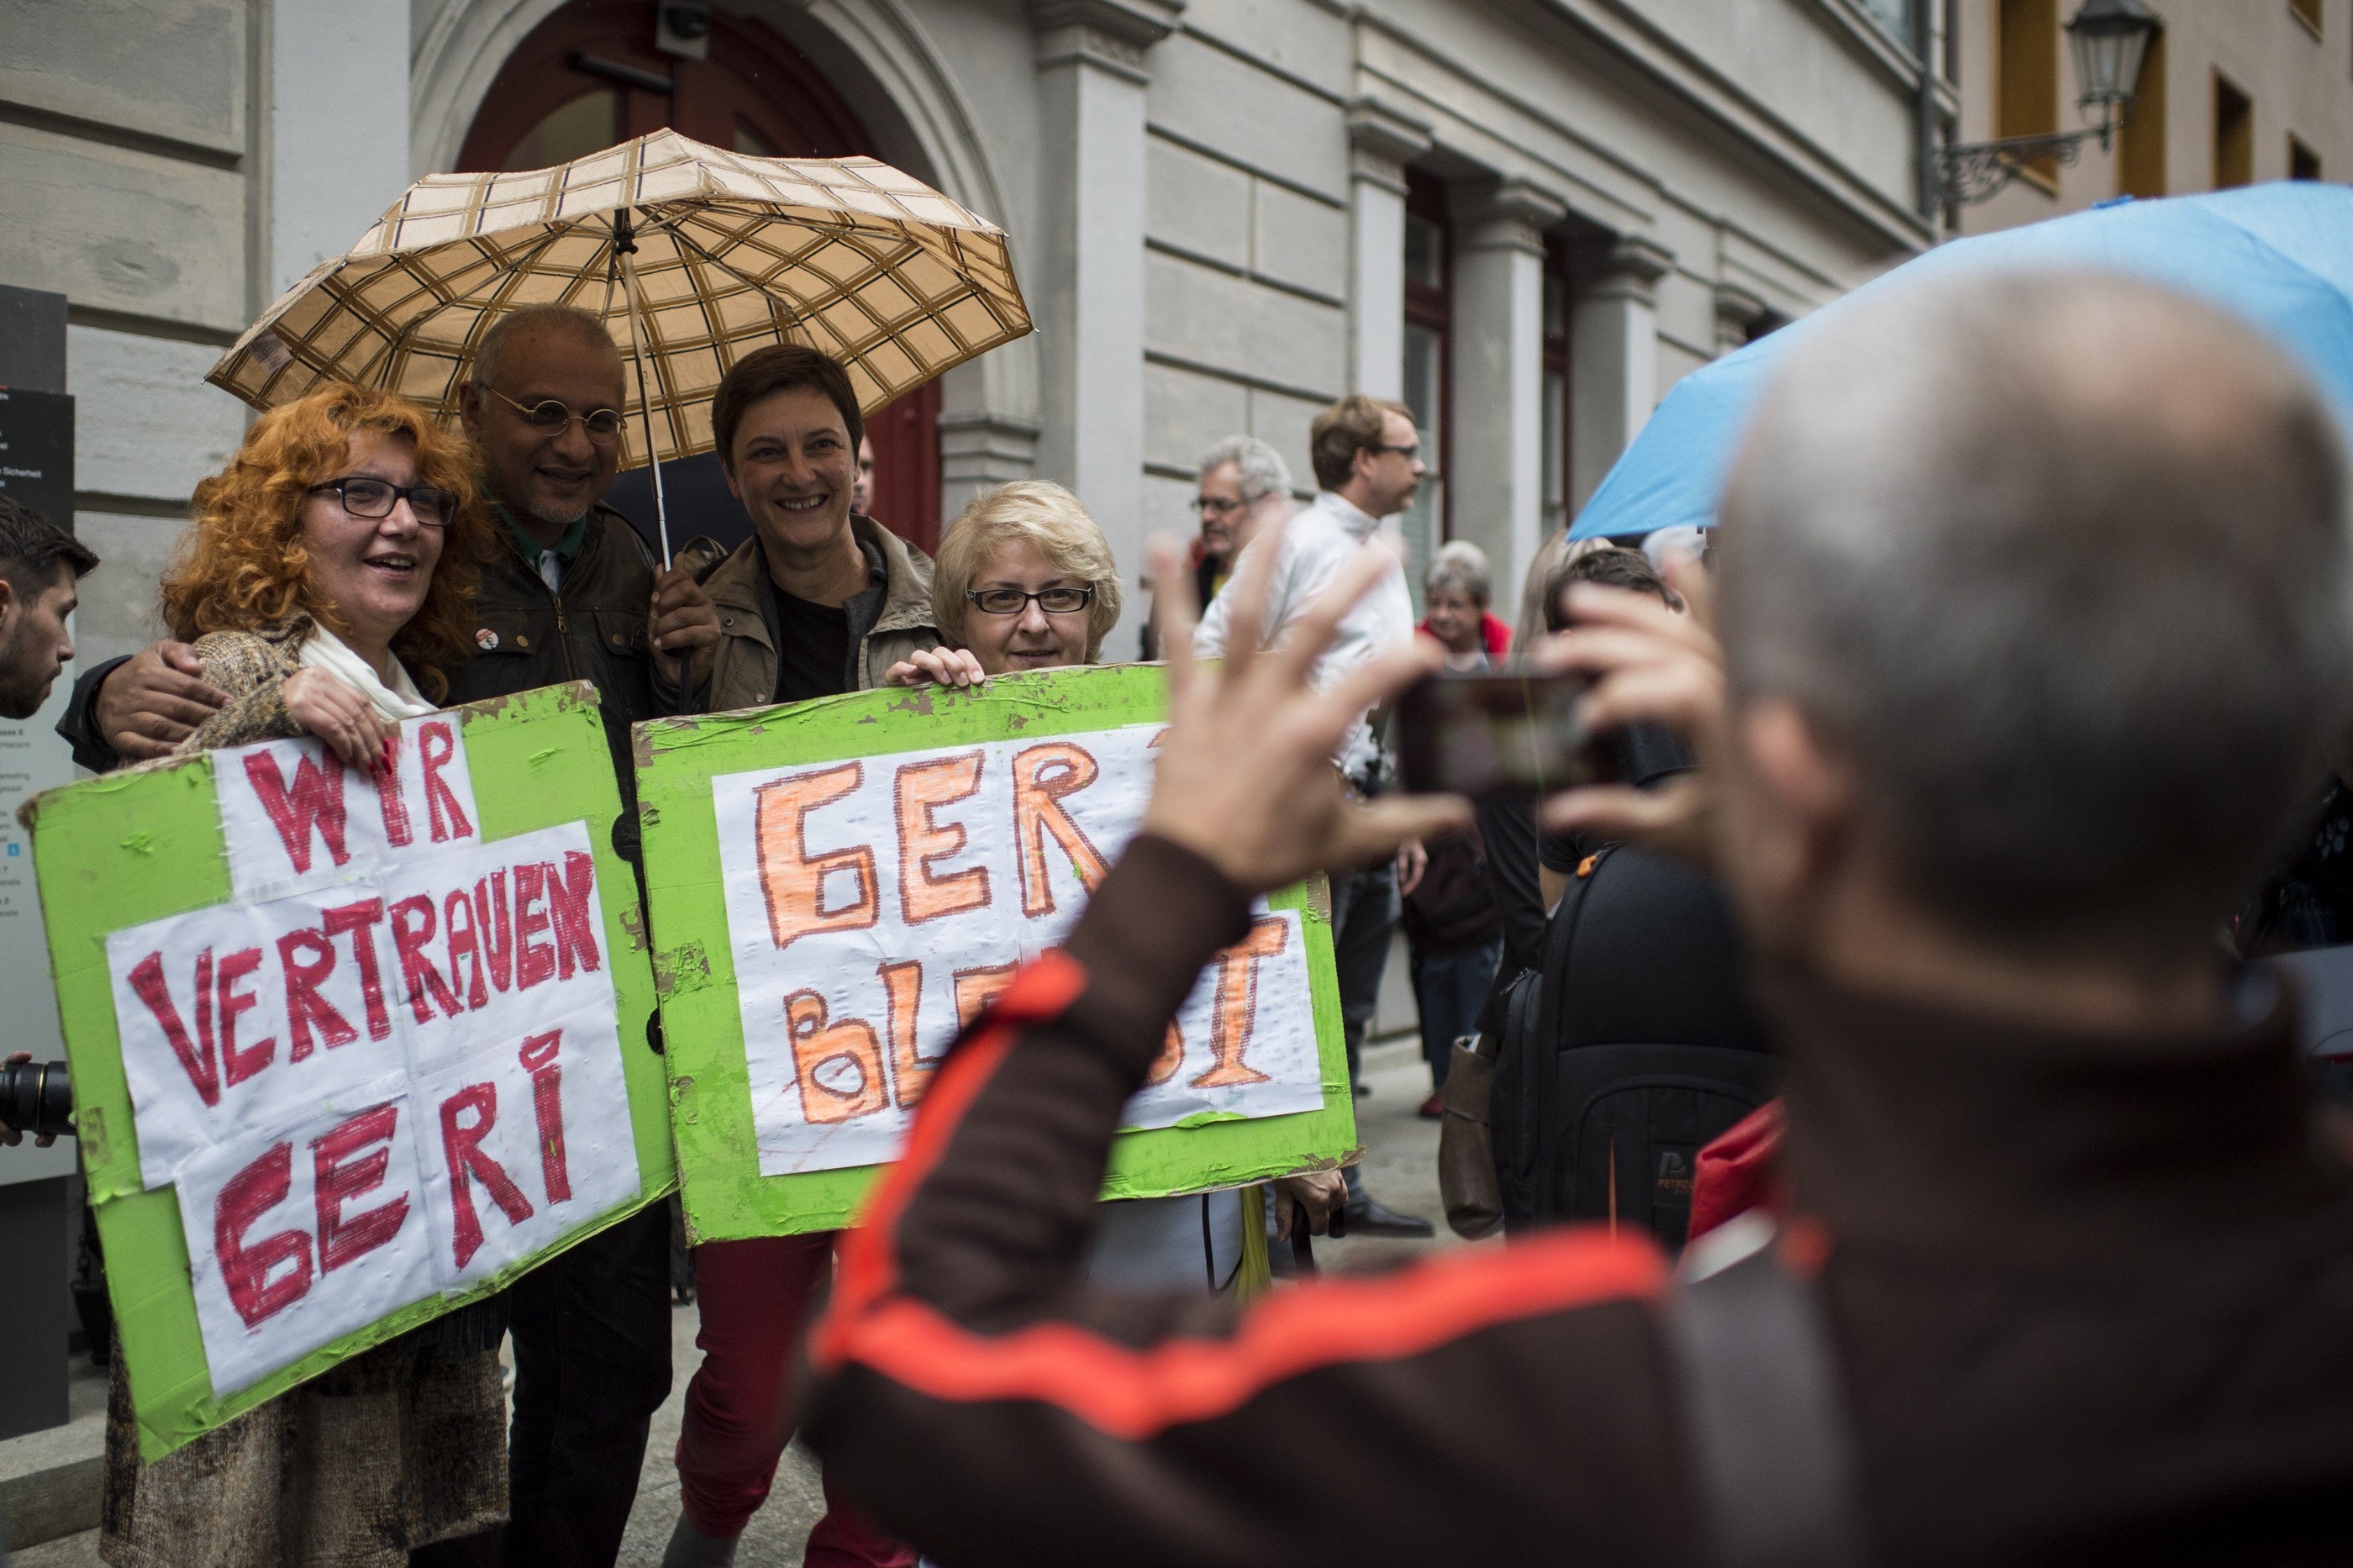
(625, 245)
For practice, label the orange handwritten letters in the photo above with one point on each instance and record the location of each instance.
(871, 920)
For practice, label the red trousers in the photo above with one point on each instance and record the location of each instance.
(753, 1297)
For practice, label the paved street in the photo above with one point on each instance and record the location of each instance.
(1400, 1168)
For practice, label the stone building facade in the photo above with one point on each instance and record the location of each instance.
(2231, 92)
(1528, 218)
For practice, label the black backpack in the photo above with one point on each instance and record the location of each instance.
(1630, 1046)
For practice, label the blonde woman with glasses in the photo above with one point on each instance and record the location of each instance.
(1024, 580)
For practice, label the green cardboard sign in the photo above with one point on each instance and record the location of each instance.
(351, 1117)
(889, 858)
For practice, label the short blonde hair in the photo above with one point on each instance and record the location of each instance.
(1038, 512)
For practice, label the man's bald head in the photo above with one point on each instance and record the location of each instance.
(2060, 562)
(568, 324)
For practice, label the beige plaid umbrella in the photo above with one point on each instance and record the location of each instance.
(693, 254)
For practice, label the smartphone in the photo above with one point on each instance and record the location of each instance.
(1497, 732)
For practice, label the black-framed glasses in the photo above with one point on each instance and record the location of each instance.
(1013, 600)
(1217, 504)
(364, 496)
(552, 415)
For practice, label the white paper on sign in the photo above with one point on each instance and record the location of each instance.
(487, 943)
(238, 1020)
(241, 1018)
(299, 1239)
(873, 905)
(294, 816)
(523, 1142)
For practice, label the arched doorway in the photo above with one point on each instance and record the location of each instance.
(588, 77)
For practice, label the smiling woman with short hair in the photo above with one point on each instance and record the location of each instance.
(1024, 580)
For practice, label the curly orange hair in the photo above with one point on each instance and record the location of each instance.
(243, 566)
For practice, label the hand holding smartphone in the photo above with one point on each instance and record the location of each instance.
(1499, 733)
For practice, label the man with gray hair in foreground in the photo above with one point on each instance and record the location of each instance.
(2035, 615)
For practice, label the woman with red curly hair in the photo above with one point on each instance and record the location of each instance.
(327, 584)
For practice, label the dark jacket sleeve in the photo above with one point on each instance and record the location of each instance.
(975, 1396)
(78, 726)
(1509, 829)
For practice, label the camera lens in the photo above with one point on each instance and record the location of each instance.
(36, 1097)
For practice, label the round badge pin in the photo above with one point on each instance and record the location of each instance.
(486, 639)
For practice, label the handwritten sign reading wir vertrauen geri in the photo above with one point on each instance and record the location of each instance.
(386, 1068)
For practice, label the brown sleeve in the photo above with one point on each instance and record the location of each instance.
(976, 1397)
(254, 675)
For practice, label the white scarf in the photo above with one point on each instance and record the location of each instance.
(323, 649)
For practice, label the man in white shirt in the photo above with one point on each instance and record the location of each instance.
(1367, 461)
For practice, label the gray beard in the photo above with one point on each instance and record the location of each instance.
(565, 522)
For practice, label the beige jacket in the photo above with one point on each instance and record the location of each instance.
(740, 671)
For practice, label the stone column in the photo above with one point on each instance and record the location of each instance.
(337, 139)
(980, 451)
(1495, 458)
(1382, 140)
(1737, 312)
(1088, 271)
(1613, 357)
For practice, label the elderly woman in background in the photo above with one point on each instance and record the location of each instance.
(1452, 919)
(327, 584)
(1024, 580)
(1455, 594)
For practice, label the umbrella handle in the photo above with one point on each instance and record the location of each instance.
(625, 249)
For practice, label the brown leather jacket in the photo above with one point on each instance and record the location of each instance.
(594, 630)
(741, 670)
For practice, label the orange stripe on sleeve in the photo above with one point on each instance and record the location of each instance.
(1134, 1395)
(1131, 1394)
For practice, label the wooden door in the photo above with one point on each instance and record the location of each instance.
(590, 77)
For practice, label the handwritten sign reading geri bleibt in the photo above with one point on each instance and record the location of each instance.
(875, 905)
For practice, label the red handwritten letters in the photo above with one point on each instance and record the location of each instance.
(294, 816)
(394, 1071)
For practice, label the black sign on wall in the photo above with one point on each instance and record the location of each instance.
(37, 456)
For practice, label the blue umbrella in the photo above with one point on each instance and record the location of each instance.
(2279, 256)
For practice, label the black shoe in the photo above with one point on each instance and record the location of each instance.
(1364, 1091)
(1366, 1216)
